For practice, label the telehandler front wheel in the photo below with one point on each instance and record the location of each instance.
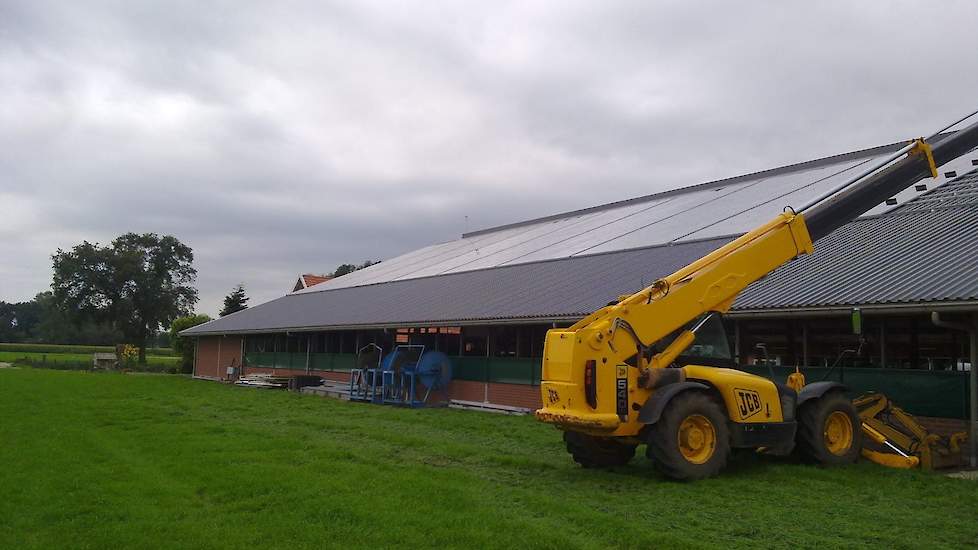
(829, 430)
(597, 452)
(691, 439)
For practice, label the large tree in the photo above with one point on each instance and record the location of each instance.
(137, 284)
(236, 301)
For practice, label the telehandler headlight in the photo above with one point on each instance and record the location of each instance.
(590, 386)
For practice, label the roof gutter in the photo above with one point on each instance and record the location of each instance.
(380, 326)
(827, 311)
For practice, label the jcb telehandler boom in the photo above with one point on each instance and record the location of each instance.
(630, 373)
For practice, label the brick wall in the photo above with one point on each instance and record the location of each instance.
(513, 395)
(215, 354)
(466, 390)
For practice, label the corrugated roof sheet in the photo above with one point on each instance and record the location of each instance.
(961, 191)
(554, 289)
(912, 255)
(923, 251)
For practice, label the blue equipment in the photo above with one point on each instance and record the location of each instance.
(365, 377)
(393, 379)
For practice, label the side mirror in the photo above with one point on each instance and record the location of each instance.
(762, 348)
(767, 360)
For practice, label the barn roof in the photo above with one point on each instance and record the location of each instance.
(918, 250)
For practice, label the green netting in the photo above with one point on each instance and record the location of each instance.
(470, 368)
(344, 362)
(920, 392)
(511, 371)
(297, 360)
(260, 359)
(332, 361)
(496, 369)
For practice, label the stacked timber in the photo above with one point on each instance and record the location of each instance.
(267, 381)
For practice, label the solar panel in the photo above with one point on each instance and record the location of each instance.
(717, 209)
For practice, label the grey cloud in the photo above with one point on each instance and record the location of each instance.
(287, 137)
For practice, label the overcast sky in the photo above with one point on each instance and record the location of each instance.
(289, 137)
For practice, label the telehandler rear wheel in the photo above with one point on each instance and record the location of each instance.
(691, 439)
(597, 452)
(829, 430)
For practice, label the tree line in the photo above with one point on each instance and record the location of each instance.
(344, 269)
(41, 320)
(126, 292)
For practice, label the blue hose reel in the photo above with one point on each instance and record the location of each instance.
(395, 378)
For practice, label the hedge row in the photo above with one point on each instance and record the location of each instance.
(58, 348)
(70, 364)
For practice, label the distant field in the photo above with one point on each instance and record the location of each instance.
(74, 358)
(57, 348)
(129, 461)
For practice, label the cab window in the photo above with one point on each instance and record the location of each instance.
(710, 348)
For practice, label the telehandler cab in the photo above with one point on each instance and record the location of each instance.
(653, 368)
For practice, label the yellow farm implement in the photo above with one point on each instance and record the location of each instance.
(900, 441)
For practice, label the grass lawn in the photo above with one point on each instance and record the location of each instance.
(113, 460)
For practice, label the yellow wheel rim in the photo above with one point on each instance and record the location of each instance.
(838, 433)
(697, 438)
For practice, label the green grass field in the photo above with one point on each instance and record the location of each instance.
(111, 460)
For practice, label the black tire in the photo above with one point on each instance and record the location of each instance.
(814, 437)
(598, 452)
(663, 437)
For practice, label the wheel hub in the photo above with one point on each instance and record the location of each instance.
(697, 438)
(838, 433)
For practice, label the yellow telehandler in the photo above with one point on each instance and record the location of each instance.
(645, 369)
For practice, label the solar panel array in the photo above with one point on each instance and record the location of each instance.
(706, 211)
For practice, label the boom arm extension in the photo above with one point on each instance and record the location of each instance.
(713, 282)
(708, 284)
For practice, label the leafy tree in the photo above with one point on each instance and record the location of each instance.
(8, 323)
(236, 301)
(184, 346)
(343, 269)
(137, 284)
(19, 322)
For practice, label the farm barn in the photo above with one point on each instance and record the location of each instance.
(488, 298)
